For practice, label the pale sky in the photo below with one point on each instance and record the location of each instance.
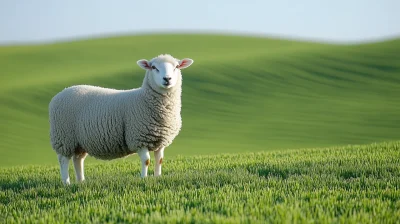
(32, 21)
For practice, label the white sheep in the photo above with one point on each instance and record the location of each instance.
(109, 124)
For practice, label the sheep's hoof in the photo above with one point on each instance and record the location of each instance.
(66, 183)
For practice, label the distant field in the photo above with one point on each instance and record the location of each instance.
(353, 184)
(242, 94)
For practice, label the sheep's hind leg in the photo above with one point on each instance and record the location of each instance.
(145, 159)
(158, 155)
(64, 163)
(78, 160)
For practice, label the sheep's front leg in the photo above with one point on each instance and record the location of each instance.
(158, 155)
(78, 160)
(145, 159)
(64, 163)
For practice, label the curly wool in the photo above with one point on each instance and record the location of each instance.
(109, 124)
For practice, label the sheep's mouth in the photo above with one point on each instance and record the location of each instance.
(167, 84)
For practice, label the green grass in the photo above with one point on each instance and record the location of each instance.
(352, 184)
(242, 94)
(270, 108)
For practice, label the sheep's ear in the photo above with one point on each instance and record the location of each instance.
(184, 63)
(143, 63)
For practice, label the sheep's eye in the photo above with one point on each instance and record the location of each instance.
(154, 67)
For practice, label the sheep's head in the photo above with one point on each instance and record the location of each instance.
(165, 70)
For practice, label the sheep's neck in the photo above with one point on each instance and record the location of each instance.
(168, 100)
(165, 104)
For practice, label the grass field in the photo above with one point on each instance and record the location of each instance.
(273, 131)
(353, 184)
(242, 94)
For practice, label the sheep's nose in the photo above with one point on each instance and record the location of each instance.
(167, 78)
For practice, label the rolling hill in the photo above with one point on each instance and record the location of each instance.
(242, 94)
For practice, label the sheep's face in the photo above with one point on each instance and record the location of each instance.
(165, 70)
(165, 74)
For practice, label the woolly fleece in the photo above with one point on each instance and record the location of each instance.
(109, 124)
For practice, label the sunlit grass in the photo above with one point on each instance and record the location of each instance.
(353, 184)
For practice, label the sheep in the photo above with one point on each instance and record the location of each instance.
(109, 124)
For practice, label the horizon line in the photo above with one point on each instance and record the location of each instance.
(97, 36)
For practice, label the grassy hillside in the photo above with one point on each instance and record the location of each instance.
(242, 94)
(353, 184)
